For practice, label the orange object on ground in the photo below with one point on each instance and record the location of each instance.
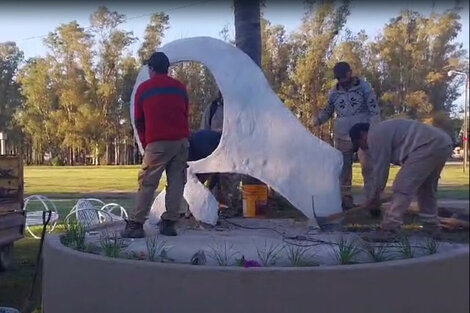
(255, 200)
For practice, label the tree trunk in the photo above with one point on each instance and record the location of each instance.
(248, 39)
(126, 153)
(106, 158)
(135, 150)
(73, 156)
(96, 159)
(116, 152)
(70, 156)
(248, 28)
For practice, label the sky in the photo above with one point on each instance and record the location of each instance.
(27, 22)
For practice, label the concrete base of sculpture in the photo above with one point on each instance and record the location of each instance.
(76, 282)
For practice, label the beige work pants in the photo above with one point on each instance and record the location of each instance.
(159, 156)
(346, 148)
(418, 176)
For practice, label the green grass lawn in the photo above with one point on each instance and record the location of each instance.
(112, 180)
(80, 179)
(119, 183)
(64, 185)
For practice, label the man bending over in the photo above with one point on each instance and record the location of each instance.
(421, 151)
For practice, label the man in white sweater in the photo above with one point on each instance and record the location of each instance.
(421, 151)
(354, 101)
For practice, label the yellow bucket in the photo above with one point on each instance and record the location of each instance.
(255, 200)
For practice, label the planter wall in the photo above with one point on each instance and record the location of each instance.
(76, 282)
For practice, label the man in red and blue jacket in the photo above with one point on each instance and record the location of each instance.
(161, 119)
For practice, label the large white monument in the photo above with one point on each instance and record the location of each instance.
(260, 138)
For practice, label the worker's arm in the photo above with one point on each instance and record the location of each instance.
(371, 100)
(451, 223)
(326, 113)
(139, 118)
(381, 154)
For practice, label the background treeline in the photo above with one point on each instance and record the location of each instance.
(72, 105)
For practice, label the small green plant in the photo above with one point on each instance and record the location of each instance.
(404, 247)
(74, 236)
(346, 251)
(300, 256)
(112, 245)
(431, 246)
(377, 253)
(223, 253)
(155, 248)
(268, 255)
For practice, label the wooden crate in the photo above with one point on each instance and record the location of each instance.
(12, 217)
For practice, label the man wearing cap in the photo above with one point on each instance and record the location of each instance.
(354, 101)
(161, 120)
(421, 151)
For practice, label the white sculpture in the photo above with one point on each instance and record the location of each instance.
(260, 138)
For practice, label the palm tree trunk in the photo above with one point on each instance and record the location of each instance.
(248, 28)
(248, 39)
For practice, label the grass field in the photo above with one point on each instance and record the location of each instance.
(64, 185)
(113, 179)
(118, 184)
(80, 179)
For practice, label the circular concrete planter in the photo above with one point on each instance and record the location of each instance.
(76, 282)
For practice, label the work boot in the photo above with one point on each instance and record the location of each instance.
(374, 210)
(133, 230)
(167, 228)
(347, 203)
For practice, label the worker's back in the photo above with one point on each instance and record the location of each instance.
(406, 136)
(163, 102)
(202, 143)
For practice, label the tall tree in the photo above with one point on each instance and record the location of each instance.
(353, 49)
(112, 45)
(314, 44)
(275, 54)
(10, 98)
(154, 33)
(127, 78)
(71, 54)
(415, 54)
(38, 110)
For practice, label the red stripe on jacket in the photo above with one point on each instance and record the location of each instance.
(161, 110)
